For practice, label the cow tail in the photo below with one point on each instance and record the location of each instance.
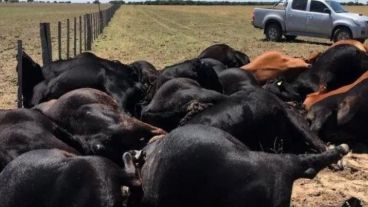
(301, 127)
(310, 164)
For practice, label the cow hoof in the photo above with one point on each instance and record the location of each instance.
(344, 148)
(336, 167)
(125, 192)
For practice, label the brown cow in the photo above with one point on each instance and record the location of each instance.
(314, 55)
(316, 97)
(357, 44)
(272, 64)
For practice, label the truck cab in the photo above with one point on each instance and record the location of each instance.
(315, 18)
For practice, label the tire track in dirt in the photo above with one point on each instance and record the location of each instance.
(175, 27)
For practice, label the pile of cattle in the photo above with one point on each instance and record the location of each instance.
(214, 131)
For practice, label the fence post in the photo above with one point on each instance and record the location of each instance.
(80, 34)
(94, 25)
(20, 73)
(85, 31)
(67, 39)
(46, 43)
(100, 21)
(59, 40)
(89, 32)
(75, 37)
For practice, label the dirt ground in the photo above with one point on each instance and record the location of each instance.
(330, 189)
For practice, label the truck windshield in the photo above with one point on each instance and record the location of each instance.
(336, 6)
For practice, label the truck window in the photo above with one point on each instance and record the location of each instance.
(317, 6)
(299, 4)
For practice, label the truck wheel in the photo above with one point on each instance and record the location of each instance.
(273, 32)
(342, 34)
(290, 37)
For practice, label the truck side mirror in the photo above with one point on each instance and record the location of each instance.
(326, 10)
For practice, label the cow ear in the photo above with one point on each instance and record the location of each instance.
(347, 109)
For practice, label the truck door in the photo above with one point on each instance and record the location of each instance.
(296, 16)
(319, 21)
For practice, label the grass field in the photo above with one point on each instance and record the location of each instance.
(168, 34)
(21, 21)
(165, 35)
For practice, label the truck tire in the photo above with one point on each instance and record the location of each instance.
(290, 37)
(342, 34)
(273, 32)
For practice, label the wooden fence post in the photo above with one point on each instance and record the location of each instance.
(80, 34)
(59, 40)
(75, 37)
(93, 26)
(89, 32)
(46, 43)
(85, 31)
(100, 22)
(67, 39)
(20, 73)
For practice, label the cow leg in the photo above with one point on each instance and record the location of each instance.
(301, 128)
(311, 164)
(133, 181)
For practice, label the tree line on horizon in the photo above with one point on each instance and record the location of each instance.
(175, 2)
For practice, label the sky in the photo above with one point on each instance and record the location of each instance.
(105, 1)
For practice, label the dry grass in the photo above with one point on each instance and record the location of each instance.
(21, 21)
(168, 34)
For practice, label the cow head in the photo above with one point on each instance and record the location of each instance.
(272, 64)
(109, 133)
(318, 116)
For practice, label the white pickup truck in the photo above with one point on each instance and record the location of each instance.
(314, 18)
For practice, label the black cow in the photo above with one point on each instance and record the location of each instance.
(202, 166)
(274, 126)
(94, 118)
(339, 66)
(147, 73)
(234, 79)
(23, 130)
(214, 64)
(225, 54)
(336, 67)
(194, 69)
(85, 59)
(32, 75)
(118, 80)
(55, 178)
(342, 117)
(177, 100)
